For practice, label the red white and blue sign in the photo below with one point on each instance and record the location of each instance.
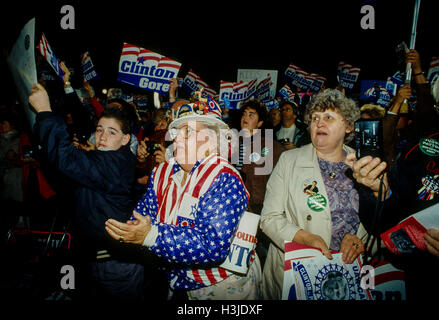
(233, 93)
(347, 75)
(47, 52)
(192, 82)
(88, 69)
(146, 69)
(302, 79)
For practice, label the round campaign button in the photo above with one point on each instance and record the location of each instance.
(429, 146)
(317, 202)
(254, 157)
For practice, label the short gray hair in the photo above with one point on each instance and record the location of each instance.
(333, 99)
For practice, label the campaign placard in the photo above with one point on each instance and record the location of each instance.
(146, 69)
(377, 91)
(297, 77)
(286, 93)
(192, 82)
(21, 62)
(347, 75)
(317, 81)
(309, 275)
(243, 244)
(47, 52)
(260, 75)
(236, 92)
(88, 68)
(408, 235)
(233, 93)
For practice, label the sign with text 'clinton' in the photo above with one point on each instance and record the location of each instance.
(347, 75)
(146, 69)
(260, 75)
(236, 92)
(302, 79)
(47, 52)
(192, 82)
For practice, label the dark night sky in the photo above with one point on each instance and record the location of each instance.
(225, 36)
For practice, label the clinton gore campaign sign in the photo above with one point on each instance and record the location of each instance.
(146, 69)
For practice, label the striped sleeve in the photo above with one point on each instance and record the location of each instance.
(208, 239)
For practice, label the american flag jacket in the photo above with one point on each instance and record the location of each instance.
(194, 224)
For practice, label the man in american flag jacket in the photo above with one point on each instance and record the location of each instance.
(200, 233)
(190, 212)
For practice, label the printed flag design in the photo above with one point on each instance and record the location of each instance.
(146, 69)
(347, 75)
(88, 69)
(196, 225)
(302, 79)
(192, 82)
(47, 52)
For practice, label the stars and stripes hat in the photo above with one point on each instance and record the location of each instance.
(205, 110)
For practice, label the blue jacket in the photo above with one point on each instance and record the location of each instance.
(104, 181)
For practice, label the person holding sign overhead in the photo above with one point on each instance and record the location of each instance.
(326, 218)
(103, 180)
(191, 210)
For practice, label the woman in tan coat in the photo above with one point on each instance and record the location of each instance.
(328, 218)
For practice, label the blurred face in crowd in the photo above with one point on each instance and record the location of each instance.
(287, 113)
(274, 115)
(5, 127)
(109, 135)
(328, 129)
(250, 120)
(161, 125)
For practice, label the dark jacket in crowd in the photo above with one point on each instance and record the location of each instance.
(261, 157)
(301, 136)
(104, 182)
(414, 186)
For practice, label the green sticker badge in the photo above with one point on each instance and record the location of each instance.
(265, 151)
(429, 146)
(317, 202)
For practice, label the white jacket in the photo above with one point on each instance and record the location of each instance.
(287, 210)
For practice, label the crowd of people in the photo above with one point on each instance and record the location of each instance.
(155, 196)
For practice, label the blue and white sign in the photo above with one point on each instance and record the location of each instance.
(146, 69)
(347, 75)
(50, 57)
(88, 69)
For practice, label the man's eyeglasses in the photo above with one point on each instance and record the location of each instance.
(184, 132)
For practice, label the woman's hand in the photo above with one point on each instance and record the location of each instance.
(351, 247)
(131, 232)
(312, 240)
(432, 241)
